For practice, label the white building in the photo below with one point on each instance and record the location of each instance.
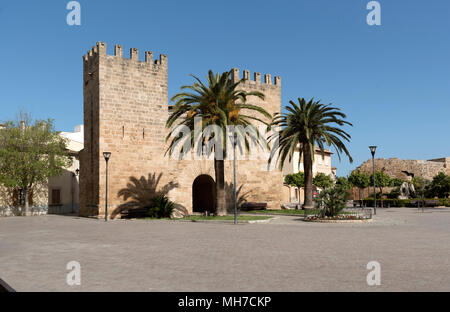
(63, 190)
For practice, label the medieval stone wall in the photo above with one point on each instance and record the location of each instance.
(125, 111)
(397, 168)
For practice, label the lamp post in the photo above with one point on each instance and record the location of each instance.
(372, 151)
(74, 176)
(107, 155)
(234, 140)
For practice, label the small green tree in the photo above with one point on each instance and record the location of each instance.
(30, 152)
(396, 182)
(420, 185)
(382, 179)
(360, 180)
(323, 181)
(344, 183)
(296, 180)
(440, 186)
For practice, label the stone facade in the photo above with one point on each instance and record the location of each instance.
(125, 111)
(402, 169)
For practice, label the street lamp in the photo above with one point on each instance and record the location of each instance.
(234, 140)
(372, 150)
(107, 155)
(74, 175)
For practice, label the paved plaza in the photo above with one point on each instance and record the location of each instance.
(287, 254)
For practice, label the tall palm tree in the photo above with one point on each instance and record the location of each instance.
(308, 125)
(218, 102)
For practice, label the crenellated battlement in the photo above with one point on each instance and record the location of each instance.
(100, 50)
(235, 76)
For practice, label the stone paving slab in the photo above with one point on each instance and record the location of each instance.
(285, 254)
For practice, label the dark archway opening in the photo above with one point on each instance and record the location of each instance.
(204, 194)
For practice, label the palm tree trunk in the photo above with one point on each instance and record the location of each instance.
(219, 169)
(307, 164)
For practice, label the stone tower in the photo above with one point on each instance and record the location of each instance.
(125, 110)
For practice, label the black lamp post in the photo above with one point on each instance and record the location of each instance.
(234, 140)
(74, 175)
(107, 155)
(372, 150)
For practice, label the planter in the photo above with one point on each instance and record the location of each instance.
(339, 219)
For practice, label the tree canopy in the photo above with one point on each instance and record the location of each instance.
(295, 179)
(359, 179)
(382, 179)
(30, 152)
(323, 180)
(440, 186)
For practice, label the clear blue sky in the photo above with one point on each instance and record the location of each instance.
(393, 80)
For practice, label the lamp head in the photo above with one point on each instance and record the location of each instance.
(373, 149)
(107, 155)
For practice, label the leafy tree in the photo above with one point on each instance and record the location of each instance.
(30, 153)
(305, 126)
(218, 102)
(295, 179)
(396, 182)
(344, 183)
(420, 185)
(359, 179)
(440, 186)
(323, 181)
(382, 179)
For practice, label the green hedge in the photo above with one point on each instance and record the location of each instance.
(403, 202)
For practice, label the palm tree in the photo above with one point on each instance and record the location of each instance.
(218, 102)
(305, 126)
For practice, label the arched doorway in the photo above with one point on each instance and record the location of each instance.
(204, 194)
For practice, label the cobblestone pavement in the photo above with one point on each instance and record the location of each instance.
(413, 249)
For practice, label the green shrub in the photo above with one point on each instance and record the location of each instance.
(394, 194)
(444, 202)
(412, 203)
(439, 187)
(334, 200)
(161, 207)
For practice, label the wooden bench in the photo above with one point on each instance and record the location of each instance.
(134, 213)
(431, 203)
(254, 206)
